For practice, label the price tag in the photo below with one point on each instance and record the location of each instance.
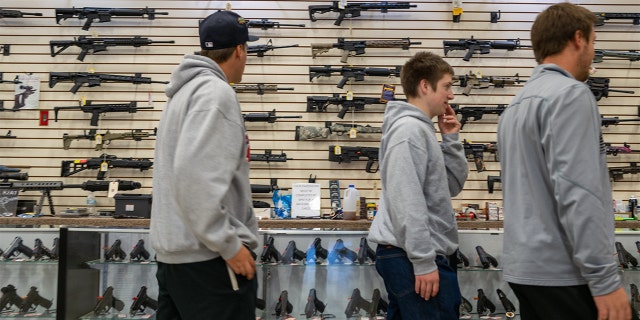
(349, 95)
(104, 166)
(353, 133)
(457, 11)
(113, 189)
(337, 150)
(98, 139)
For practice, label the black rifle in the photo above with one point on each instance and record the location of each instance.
(139, 252)
(260, 49)
(631, 55)
(484, 306)
(141, 302)
(364, 251)
(292, 254)
(615, 120)
(105, 138)
(316, 251)
(624, 257)
(602, 16)
(509, 308)
(462, 259)
(314, 305)
(269, 252)
(339, 253)
(33, 300)
(268, 156)
(599, 86)
(95, 45)
(320, 103)
(309, 132)
(616, 173)
(15, 248)
(477, 150)
(258, 88)
(357, 47)
(106, 302)
(97, 109)
(115, 252)
(357, 303)
(465, 306)
(40, 250)
(353, 10)
(104, 163)
(269, 117)
(615, 150)
(474, 81)
(480, 46)
(264, 188)
(95, 79)
(103, 14)
(352, 73)
(265, 24)
(491, 180)
(10, 297)
(17, 14)
(486, 260)
(476, 113)
(346, 154)
(283, 306)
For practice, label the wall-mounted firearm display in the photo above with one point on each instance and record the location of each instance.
(260, 49)
(269, 156)
(103, 163)
(477, 81)
(615, 120)
(87, 79)
(103, 14)
(476, 113)
(357, 47)
(600, 87)
(94, 45)
(347, 154)
(630, 55)
(615, 150)
(353, 10)
(265, 24)
(320, 103)
(269, 117)
(309, 132)
(480, 46)
(97, 109)
(603, 16)
(102, 139)
(258, 88)
(352, 73)
(616, 173)
(17, 14)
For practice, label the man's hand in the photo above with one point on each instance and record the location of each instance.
(613, 306)
(428, 285)
(243, 264)
(448, 122)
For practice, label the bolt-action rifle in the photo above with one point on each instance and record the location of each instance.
(599, 86)
(346, 154)
(141, 302)
(476, 113)
(17, 14)
(139, 252)
(630, 55)
(103, 14)
(106, 302)
(474, 81)
(477, 150)
(480, 46)
(484, 306)
(260, 49)
(314, 305)
(616, 173)
(309, 132)
(268, 156)
(265, 24)
(509, 308)
(115, 252)
(357, 47)
(103, 163)
(102, 139)
(33, 300)
(258, 88)
(269, 117)
(10, 297)
(603, 16)
(94, 45)
(352, 73)
(95, 79)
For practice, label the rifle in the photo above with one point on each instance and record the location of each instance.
(10, 297)
(106, 302)
(95, 45)
(509, 308)
(616, 173)
(357, 47)
(491, 180)
(476, 113)
(103, 14)
(97, 109)
(17, 14)
(602, 16)
(103, 162)
(105, 138)
(486, 260)
(5, 49)
(316, 251)
(269, 117)
(314, 305)
(40, 250)
(139, 252)
(7, 173)
(474, 81)
(346, 154)
(320, 103)
(292, 254)
(141, 302)
(309, 133)
(258, 88)
(260, 49)
(484, 305)
(33, 300)
(339, 253)
(283, 306)
(364, 252)
(480, 46)
(263, 188)
(269, 252)
(353, 9)
(615, 150)
(599, 86)
(265, 24)
(477, 150)
(115, 252)
(16, 248)
(354, 73)
(270, 157)
(631, 55)
(624, 257)
(615, 120)
(95, 79)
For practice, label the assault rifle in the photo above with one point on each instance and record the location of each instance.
(480, 46)
(602, 16)
(346, 154)
(477, 150)
(106, 302)
(17, 14)
(260, 49)
(16, 248)
(268, 156)
(10, 297)
(353, 10)
(103, 14)
(139, 252)
(320, 103)
(33, 300)
(484, 306)
(509, 308)
(474, 81)
(269, 117)
(352, 73)
(141, 302)
(309, 133)
(476, 113)
(357, 303)
(103, 162)
(97, 109)
(265, 24)
(95, 79)
(95, 45)
(615, 150)
(616, 173)
(105, 138)
(258, 88)
(314, 305)
(357, 47)
(615, 120)
(600, 87)
(45, 187)
(491, 180)
(631, 55)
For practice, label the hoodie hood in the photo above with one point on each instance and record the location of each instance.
(396, 110)
(191, 67)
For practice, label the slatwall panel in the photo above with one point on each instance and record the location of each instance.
(38, 149)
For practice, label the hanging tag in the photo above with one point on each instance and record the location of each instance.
(353, 133)
(113, 189)
(83, 101)
(349, 95)
(98, 139)
(342, 4)
(337, 150)
(388, 91)
(104, 166)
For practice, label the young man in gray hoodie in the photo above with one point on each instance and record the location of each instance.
(415, 227)
(202, 221)
(558, 217)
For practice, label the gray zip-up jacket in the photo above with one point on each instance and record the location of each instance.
(419, 175)
(558, 216)
(202, 205)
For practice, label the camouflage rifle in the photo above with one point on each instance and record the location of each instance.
(357, 47)
(258, 88)
(102, 139)
(475, 81)
(309, 133)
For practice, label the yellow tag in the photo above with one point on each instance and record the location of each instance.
(349, 95)
(98, 138)
(227, 6)
(113, 189)
(91, 70)
(353, 133)
(83, 101)
(104, 166)
(337, 150)
(457, 11)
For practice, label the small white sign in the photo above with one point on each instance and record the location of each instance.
(305, 200)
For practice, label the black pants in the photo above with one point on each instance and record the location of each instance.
(202, 290)
(551, 303)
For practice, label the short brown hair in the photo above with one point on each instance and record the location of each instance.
(423, 65)
(218, 55)
(557, 25)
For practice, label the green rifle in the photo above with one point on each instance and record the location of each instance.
(309, 132)
(107, 137)
(258, 88)
(357, 47)
(474, 81)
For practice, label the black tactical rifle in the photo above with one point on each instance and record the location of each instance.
(258, 88)
(268, 156)
(486, 260)
(106, 302)
(265, 24)
(339, 254)
(10, 297)
(269, 252)
(599, 86)
(260, 49)
(347, 154)
(16, 248)
(292, 254)
(309, 132)
(484, 306)
(33, 300)
(17, 14)
(364, 252)
(103, 14)
(105, 138)
(630, 55)
(509, 308)
(139, 252)
(314, 305)
(473, 45)
(357, 47)
(94, 45)
(353, 10)
(115, 252)
(477, 150)
(352, 73)
(95, 79)
(476, 113)
(603, 16)
(103, 163)
(97, 109)
(320, 103)
(616, 173)
(269, 117)
(315, 252)
(474, 81)
(141, 302)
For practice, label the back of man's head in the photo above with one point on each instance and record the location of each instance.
(556, 26)
(423, 65)
(221, 32)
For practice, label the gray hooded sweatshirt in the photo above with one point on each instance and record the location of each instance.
(202, 205)
(419, 176)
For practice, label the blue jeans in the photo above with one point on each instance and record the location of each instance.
(396, 270)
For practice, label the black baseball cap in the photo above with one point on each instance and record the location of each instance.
(224, 29)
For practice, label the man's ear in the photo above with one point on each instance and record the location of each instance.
(423, 87)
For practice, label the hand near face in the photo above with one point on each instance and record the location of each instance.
(448, 122)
